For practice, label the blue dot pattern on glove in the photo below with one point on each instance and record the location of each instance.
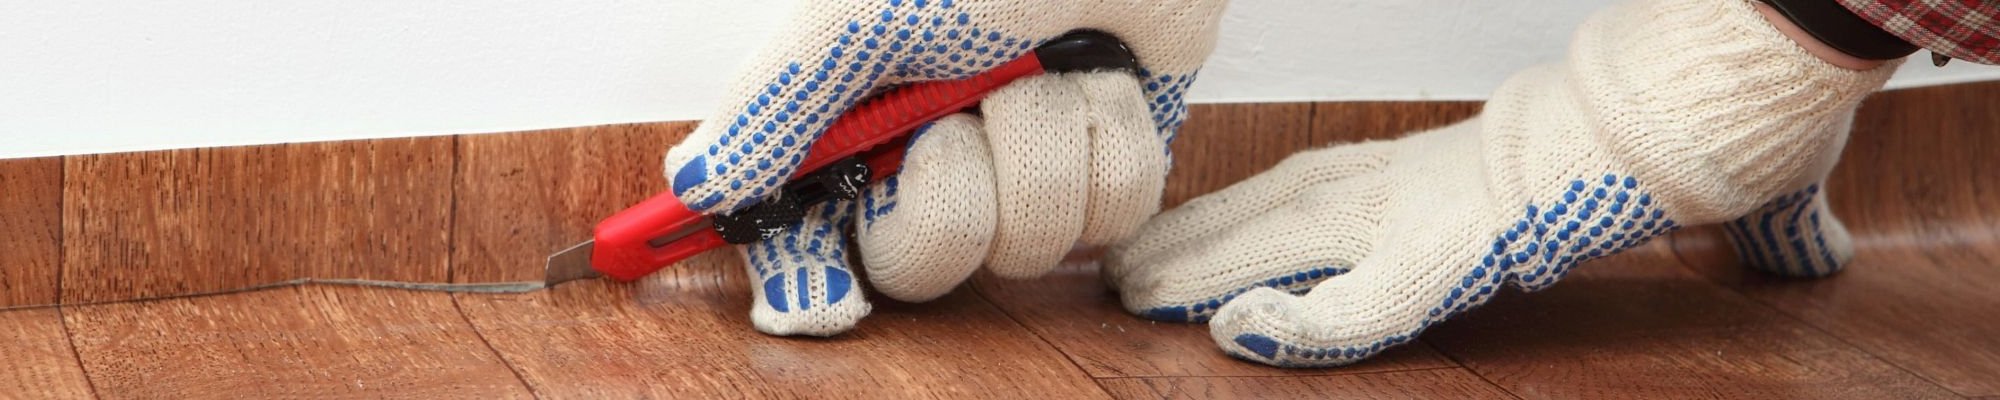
(791, 256)
(1168, 101)
(1591, 219)
(1800, 252)
(1589, 222)
(907, 40)
(1297, 283)
(1586, 222)
(880, 202)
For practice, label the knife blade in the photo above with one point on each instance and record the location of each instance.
(570, 264)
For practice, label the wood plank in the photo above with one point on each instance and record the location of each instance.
(40, 364)
(1916, 188)
(1071, 309)
(1349, 122)
(1442, 383)
(31, 215)
(523, 196)
(686, 334)
(1222, 144)
(1919, 189)
(151, 224)
(296, 342)
(1639, 325)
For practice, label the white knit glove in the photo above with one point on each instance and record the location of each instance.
(1056, 160)
(1667, 113)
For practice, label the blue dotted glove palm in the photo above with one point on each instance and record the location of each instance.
(1051, 160)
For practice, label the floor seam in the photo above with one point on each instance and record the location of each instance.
(62, 261)
(1689, 268)
(981, 294)
(1460, 364)
(69, 337)
(523, 379)
(62, 230)
(451, 219)
(1312, 124)
(450, 269)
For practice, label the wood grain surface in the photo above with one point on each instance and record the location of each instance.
(1437, 383)
(686, 334)
(1640, 325)
(1914, 317)
(30, 231)
(39, 363)
(1214, 148)
(1349, 122)
(152, 224)
(309, 342)
(1919, 188)
(1071, 309)
(523, 196)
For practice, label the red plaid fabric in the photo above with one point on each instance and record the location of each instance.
(1962, 29)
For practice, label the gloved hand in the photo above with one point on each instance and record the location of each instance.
(1667, 113)
(1055, 159)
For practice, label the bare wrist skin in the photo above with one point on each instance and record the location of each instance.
(1814, 45)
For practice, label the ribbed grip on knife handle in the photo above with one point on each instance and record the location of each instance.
(630, 244)
(904, 109)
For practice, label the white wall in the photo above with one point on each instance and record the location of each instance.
(88, 76)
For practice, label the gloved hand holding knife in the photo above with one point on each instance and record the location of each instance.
(1046, 162)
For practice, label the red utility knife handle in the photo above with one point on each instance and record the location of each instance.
(662, 231)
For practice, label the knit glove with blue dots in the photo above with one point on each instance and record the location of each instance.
(1667, 113)
(1051, 161)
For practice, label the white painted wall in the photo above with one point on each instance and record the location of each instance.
(90, 76)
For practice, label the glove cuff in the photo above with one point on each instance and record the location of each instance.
(1703, 99)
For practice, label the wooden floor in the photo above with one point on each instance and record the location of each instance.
(127, 244)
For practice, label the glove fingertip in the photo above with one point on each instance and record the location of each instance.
(691, 177)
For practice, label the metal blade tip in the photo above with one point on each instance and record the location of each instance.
(570, 264)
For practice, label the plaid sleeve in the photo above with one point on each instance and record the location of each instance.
(1961, 29)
